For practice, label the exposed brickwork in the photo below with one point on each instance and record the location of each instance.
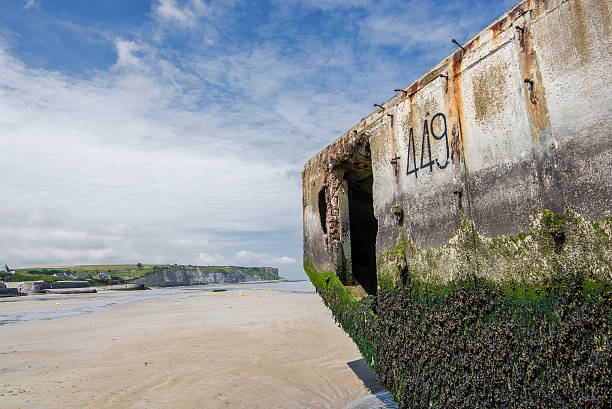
(334, 158)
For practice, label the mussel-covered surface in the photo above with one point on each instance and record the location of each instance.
(473, 343)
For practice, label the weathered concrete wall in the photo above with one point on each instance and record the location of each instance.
(491, 181)
(28, 286)
(7, 291)
(33, 286)
(68, 284)
(515, 122)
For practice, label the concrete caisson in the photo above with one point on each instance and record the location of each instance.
(513, 124)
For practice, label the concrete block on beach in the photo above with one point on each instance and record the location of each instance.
(72, 290)
(9, 292)
(42, 286)
(29, 286)
(69, 284)
(126, 287)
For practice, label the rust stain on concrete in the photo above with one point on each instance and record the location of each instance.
(497, 29)
(454, 102)
(472, 45)
(579, 31)
(412, 91)
(539, 120)
(394, 159)
(535, 98)
(457, 100)
(507, 20)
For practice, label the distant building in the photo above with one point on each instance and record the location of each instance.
(84, 276)
(103, 276)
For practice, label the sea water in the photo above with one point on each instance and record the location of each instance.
(53, 306)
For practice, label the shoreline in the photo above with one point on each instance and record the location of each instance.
(113, 287)
(188, 348)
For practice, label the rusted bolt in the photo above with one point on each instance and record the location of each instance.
(459, 192)
(519, 13)
(403, 91)
(531, 86)
(447, 78)
(460, 46)
(395, 159)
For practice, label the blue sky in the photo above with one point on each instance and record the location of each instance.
(172, 131)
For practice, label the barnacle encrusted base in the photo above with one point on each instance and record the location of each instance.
(513, 321)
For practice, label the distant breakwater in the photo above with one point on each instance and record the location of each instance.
(198, 275)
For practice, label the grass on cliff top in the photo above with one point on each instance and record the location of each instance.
(122, 271)
(19, 276)
(117, 271)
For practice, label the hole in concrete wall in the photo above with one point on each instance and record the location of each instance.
(559, 239)
(363, 224)
(323, 210)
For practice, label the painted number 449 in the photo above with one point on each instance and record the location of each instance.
(427, 130)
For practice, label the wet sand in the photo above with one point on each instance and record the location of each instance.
(191, 349)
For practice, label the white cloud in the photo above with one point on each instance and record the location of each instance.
(211, 259)
(246, 257)
(425, 26)
(193, 154)
(155, 146)
(126, 51)
(263, 259)
(187, 15)
(31, 4)
(169, 10)
(130, 151)
(45, 236)
(335, 4)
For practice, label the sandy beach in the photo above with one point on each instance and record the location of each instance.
(187, 348)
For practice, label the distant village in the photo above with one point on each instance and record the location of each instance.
(21, 282)
(122, 277)
(67, 274)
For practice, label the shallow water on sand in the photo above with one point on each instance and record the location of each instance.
(255, 346)
(53, 306)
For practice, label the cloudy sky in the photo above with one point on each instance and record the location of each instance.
(175, 131)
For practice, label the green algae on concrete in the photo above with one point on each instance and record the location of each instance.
(518, 321)
(473, 342)
(553, 240)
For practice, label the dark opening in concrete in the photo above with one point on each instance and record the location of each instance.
(323, 210)
(559, 239)
(363, 224)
